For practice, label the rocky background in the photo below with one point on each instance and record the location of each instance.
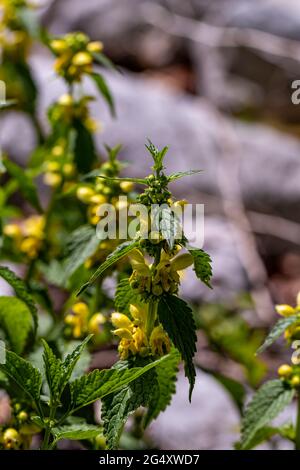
(211, 79)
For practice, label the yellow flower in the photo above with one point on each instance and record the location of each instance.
(52, 179)
(126, 186)
(96, 323)
(285, 310)
(11, 438)
(30, 246)
(58, 46)
(85, 193)
(95, 46)
(159, 341)
(34, 226)
(119, 320)
(12, 230)
(66, 100)
(295, 381)
(285, 371)
(80, 308)
(68, 169)
(81, 59)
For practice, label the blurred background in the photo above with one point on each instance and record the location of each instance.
(213, 80)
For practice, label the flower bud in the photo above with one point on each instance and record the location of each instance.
(85, 193)
(182, 262)
(126, 186)
(68, 169)
(66, 100)
(295, 381)
(95, 46)
(119, 320)
(81, 59)
(123, 333)
(12, 230)
(285, 371)
(285, 310)
(96, 323)
(11, 438)
(80, 308)
(98, 199)
(58, 46)
(52, 179)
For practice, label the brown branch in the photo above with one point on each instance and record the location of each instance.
(219, 36)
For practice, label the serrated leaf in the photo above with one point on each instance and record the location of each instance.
(99, 383)
(123, 250)
(104, 90)
(116, 407)
(157, 155)
(25, 183)
(266, 404)
(202, 265)
(177, 320)
(181, 174)
(16, 321)
(124, 296)
(166, 376)
(262, 435)
(277, 331)
(84, 149)
(75, 432)
(82, 244)
(21, 291)
(58, 372)
(24, 374)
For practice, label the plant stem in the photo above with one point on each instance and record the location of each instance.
(297, 440)
(45, 444)
(151, 317)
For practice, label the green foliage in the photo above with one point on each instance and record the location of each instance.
(277, 331)
(166, 375)
(124, 296)
(123, 250)
(177, 320)
(202, 265)
(16, 321)
(21, 291)
(99, 383)
(266, 404)
(26, 376)
(74, 432)
(84, 145)
(81, 244)
(104, 90)
(116, 407)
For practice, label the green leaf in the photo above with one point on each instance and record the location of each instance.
(277, 331)
(16, 321)
(157, 155)
(181, 174)
(124, 296)
(21, 291)
(116, 407)
(131, 180)
(266, 404)
(30, 22)
(202, 265)
(82, 244)
(58, 373)
(104, 90)
(99, 383)
(84, 149)
(24, 374)
(104, 61)
(166, 375)
(25, 183)
(122, 250)
(177, 320)
(75, 432)
(262, 435)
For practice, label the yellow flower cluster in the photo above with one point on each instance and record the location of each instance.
(66, 109)
(133, 337)
(14, 40)
(290, 374)
(28, 236)
(74, 53)
(158, 279)
(57, 172)
(18, 432)
(81, 322)
(293, 331)
(101, 193)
